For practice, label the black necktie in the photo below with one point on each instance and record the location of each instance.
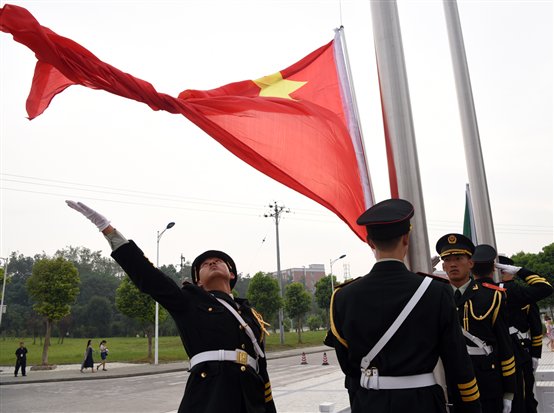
(457, 295)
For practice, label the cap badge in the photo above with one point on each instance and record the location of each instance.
(452, 239)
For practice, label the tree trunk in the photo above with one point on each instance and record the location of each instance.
(46, 343)
(149, 332)
(299, 329)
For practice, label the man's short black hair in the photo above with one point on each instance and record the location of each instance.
(483, 269)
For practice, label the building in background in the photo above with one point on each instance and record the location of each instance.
(308, 276)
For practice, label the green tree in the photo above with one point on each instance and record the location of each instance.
(323, 294)
(542, 263)
(298, 302)
(314, 322)
(140, 307)
(54, 286)
(263, 295)
(99, 313)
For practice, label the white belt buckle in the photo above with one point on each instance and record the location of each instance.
(242, 357)
(373, 374)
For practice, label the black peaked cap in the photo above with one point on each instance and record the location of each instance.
(195, 268)
(454, 244)
(387, 219)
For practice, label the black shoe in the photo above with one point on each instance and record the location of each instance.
(24, 375)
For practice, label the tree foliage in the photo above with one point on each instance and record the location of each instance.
(54, 285)
(139, 306)
(263, 295)
(541, 263)
(298, 302)
(323, 294)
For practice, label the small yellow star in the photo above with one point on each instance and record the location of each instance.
(275, 86)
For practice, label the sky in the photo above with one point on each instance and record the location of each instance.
(143, 169)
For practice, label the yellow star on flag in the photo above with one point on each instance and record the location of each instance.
(275, 86)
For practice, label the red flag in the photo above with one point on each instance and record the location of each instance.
(297, 126)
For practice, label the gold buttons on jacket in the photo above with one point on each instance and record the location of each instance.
(241, 327)
(242, 368)
(492, 366)
(242, 346)
(203, 374)
(210, 309)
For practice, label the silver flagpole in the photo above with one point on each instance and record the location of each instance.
(480, 202)
(397, 117)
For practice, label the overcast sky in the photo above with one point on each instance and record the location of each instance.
(143, 169)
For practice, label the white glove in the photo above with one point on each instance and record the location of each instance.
(510, 269)
(507, 406)
(535, 363)
(97, 219)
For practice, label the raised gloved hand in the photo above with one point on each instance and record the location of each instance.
(510, 269)
(435, 260)
(97, 219)
(535, 363)
(507, 406)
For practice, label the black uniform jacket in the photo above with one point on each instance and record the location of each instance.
(205, 324)
(482, 312)
(535, 328)
(523, 311)
(21, 354)
(364, 309)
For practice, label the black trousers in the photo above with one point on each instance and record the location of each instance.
(528, 383)
(20, 363)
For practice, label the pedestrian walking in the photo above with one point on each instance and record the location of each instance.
(103, 355)
(21, 359)
(88, 360)
(223, 336)
(549, 332)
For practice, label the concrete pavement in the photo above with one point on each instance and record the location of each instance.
(71, 372)
(314, 391)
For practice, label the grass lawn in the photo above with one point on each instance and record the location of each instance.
(130, 349)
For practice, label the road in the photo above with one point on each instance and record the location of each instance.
(296, 389)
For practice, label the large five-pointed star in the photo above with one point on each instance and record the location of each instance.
(275, 86)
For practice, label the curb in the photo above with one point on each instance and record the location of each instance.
(140, 369)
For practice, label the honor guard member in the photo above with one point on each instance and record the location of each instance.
(482, 316)
(522, 313)
(224, 337)
(390, 327)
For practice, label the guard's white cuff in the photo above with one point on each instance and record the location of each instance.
(116, 239)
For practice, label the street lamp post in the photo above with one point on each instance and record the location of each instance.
(156, 328)
(331, 262)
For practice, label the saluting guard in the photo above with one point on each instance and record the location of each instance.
(223, 336)
(482, 315)
(525, 327)
(390, 327)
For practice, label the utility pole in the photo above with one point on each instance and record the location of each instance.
(182, 266)
(275, 211)
(4, 278)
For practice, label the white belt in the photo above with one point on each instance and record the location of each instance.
(522, 336)
(478, 351)
(236, 356)
(372, 380)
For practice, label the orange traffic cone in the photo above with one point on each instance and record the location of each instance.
(304, 361)
(325, 362)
